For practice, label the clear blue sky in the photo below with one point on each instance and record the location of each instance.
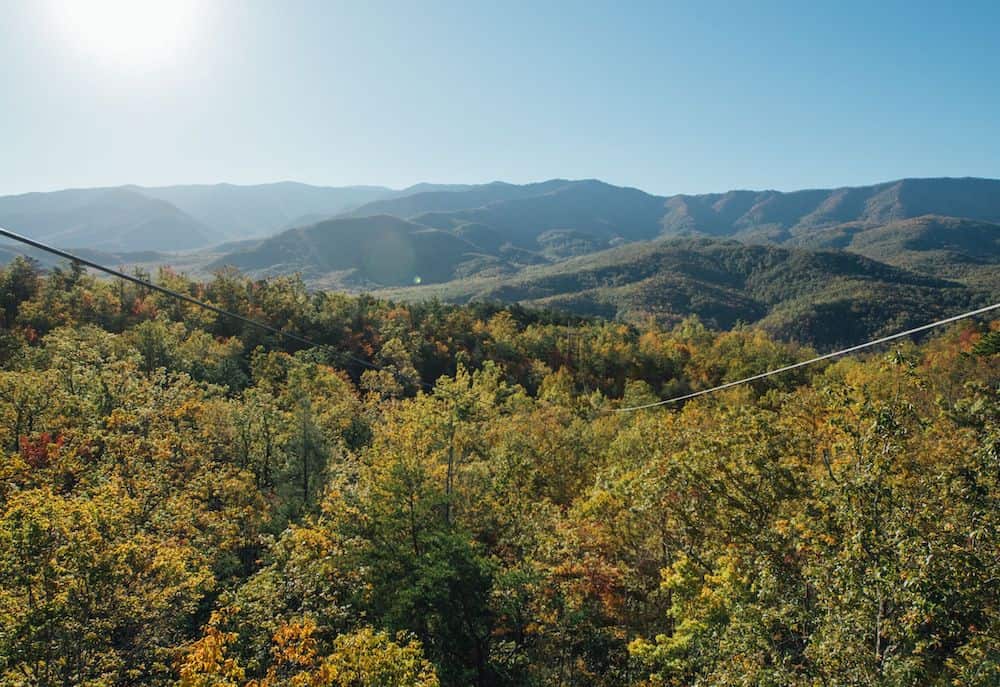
(668, 97)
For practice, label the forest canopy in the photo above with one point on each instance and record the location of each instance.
(440, 495)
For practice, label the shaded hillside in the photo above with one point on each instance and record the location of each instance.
(822, 297)
(358, 252)
(567, 218)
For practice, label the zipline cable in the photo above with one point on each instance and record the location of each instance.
(826, 356)
(187, 299)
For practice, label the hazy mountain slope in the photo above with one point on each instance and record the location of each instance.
(107, 219)
(185, 217)
(238, 212)
(426, 187)
(807, 295)
(358, 252)
(776, 217)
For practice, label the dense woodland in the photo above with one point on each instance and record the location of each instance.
(444, 495)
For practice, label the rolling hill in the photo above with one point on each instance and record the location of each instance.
(956, 248)
(823, 297)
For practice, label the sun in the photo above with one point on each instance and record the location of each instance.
(128, 34)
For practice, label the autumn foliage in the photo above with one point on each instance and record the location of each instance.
(185, 500)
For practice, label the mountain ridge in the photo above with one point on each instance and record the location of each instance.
(777, 216)
(211, 213)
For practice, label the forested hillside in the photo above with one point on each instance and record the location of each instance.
(826, 298)
(444, 495)
(948, 247)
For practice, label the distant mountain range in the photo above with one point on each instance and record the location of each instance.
(778, 217)
(909, 246)
(945, 227)
(553, 218)
(174, 218)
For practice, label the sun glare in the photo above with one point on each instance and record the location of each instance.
(128, 34)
